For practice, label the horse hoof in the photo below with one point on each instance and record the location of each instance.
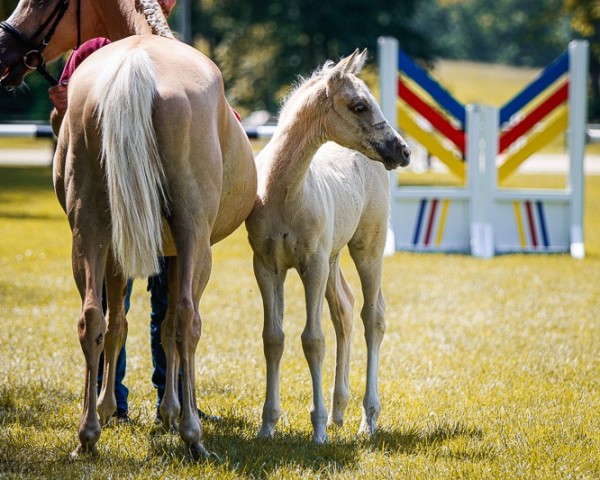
(335, 420)
(82, 451)
(200, 453)
(266, 431)
(367, 428)
(320, 439)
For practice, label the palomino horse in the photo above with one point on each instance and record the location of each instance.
(313, 199)
(148, 141)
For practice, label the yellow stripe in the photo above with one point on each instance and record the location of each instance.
(431, 143)
(442, 224)
(535, 141)
(519, 219)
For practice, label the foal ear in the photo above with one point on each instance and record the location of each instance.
(350, 64)
(359, 61)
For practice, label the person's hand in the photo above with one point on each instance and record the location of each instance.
(58, 97)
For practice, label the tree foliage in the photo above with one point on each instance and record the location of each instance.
(262, 46)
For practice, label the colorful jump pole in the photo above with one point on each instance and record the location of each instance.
(480, 217)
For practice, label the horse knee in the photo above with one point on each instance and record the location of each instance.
(188, 319)
(313, 346)
(273, 344)
(91, 327)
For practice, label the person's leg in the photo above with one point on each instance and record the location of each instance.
(158, 286)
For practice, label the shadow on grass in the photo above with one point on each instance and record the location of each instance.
(237, 450)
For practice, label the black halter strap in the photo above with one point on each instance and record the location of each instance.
(34, 58)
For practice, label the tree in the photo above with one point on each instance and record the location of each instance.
(263, 45)
(511, 32)
(585, 16)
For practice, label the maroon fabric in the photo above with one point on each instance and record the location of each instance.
(79, 55)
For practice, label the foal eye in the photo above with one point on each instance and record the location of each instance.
(359, 108)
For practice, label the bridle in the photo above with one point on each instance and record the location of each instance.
(34, 58)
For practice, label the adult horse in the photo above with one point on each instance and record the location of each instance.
(148, 143)
(314, 198)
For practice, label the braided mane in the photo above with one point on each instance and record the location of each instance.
(155, 18)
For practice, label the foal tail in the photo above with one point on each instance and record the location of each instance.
(134, 172)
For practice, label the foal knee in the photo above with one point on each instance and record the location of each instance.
(313, 345)
(273, 344)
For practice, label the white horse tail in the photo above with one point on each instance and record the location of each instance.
(134, 172)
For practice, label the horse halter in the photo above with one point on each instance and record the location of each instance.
(34, 58)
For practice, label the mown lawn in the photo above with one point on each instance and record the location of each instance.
(489, 368)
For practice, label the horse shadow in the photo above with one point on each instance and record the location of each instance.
(237, 450)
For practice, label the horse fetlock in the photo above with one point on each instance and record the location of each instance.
(190, 431)
(89, 433)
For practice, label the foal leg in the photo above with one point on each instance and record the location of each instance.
(369, 266)
(314, 278)
(341, 304)
(271, 289)
(116, 333)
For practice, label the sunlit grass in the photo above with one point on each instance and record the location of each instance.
(489, 368)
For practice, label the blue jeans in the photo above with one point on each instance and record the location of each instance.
(158, 286)
(121, 391)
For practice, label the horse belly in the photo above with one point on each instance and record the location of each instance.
(239, 191)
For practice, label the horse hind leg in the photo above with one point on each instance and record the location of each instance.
(271, 289)
(341, 304)
(194, 266)
(116, 333)
(88, 271)
(369, 266)
(169, 405)
(314, 279)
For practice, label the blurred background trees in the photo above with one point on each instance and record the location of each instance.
(263, 45)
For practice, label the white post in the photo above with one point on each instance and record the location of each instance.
(482, 144)
(578, 70)
(388, 98)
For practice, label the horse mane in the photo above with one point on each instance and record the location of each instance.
(155, 18)
(305, 82)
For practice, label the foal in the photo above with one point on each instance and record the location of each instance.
(313, 199)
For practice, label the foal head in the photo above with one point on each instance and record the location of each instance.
(353, 119)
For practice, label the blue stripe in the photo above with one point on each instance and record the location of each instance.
(437, 92)
(420, 216)
(540, 209)
(546, 78)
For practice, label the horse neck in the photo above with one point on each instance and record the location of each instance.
(146, 19)
(295, 142)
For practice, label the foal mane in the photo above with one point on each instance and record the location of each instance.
(155, 18)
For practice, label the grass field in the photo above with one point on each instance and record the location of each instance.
(489, 368)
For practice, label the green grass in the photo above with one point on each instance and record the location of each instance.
(489, 368)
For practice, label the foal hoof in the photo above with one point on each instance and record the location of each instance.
(320, 438)
(266, 431)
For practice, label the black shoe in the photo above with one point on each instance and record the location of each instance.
(208, 417)
(201, 414)
(157, 417)
(121, 416)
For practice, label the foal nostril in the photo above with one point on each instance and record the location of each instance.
(405, 152)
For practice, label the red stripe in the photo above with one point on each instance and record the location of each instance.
(434, 204)
(456, 135)
(508, 137)
(531, 221)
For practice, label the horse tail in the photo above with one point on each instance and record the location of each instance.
(133, 168)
